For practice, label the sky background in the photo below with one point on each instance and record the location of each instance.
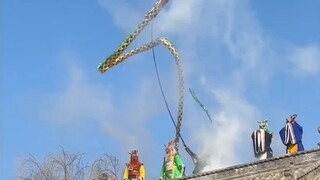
(246, 60)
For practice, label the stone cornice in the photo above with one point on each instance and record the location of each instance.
(302, 165)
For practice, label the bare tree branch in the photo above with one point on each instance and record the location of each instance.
(107, 165)
(68, 166)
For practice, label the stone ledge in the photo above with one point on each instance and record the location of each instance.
(299, 163)
(312, 172)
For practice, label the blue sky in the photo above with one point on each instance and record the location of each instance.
(246, 60)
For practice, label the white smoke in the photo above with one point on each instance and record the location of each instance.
(224, 54)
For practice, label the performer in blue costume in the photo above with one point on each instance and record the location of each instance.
(291, 135)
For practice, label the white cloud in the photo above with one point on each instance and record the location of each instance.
(122, 116)
(232, 127)
(179, 17)
(191, 24)
(227, 30)
(75, 103)
(84, 102)
(306, 60)
(124, 16)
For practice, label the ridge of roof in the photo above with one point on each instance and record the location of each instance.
(257, 163)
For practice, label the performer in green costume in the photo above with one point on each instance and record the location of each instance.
(173, 167)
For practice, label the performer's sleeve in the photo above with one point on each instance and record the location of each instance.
(300, 128)
(282, 135)
(179, 163)
(162, 170)
(142, 172)
(253, 143)
(125, 173)
(297, 132)
(268, 138)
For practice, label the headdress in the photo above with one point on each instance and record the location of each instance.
(264, 125)
(134, 152)
(171, 147)
(134, 156)
(291, 118)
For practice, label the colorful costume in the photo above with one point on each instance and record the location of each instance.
(291, 135)
(135, 169)
(262, 138)
(173, 166)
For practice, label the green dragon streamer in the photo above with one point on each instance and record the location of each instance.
(193, 94)
(119, 56)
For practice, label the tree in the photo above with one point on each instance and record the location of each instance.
(33, 170)
(68, 166)
(106, 167)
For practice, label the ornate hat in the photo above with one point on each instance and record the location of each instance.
(134, 152)
(171, 146)
(291, 118)
(263, 123)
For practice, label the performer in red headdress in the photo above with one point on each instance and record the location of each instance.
(134, 169)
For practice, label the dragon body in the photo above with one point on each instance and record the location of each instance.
(120, 55)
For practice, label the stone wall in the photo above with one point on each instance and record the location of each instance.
(303, 165)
